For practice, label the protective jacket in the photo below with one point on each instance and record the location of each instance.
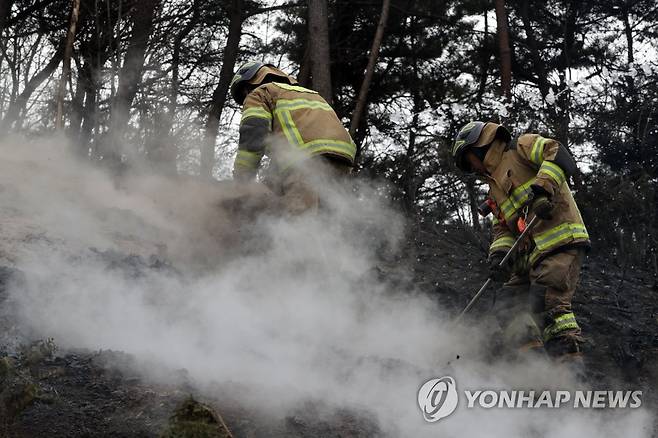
(513, 168)
(288, 123)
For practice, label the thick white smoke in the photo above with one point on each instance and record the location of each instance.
(299, 314)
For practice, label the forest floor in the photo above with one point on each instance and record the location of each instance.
(47, 392)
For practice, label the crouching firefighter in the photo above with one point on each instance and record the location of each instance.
(296, 128)
(527, 177)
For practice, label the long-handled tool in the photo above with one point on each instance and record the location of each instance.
(525, 232)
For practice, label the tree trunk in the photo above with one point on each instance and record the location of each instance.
(540, 68)
(90, 111)
(130, 75)
(472, 203)
(408, 178)
(95, 53)
(18, 105)
(370, 69)
(304, 76)
(77, 101)
(15, 72)
(160, 146)
(66, 65)
(88, 76)
(361, 131)
(175, 66)
(628, 30)
(504, 48)
(318, 19)
(219, 95)
(563, 107)
(485, 57)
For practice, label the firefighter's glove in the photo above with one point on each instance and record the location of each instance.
(542, 207)
(497, 272)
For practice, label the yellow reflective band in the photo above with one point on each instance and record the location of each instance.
(458, 143)
(560, 324)
(335, 146)
(564, 317)
(554, 171)
(517, 198)
(297, 104)
(501, 243)
(247, 160)
(256, 112)
(537, 152)
(283, 113)
(536, 253)
(289, 128)
(294, 88)
(565, 231)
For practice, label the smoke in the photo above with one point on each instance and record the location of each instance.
(290, 310)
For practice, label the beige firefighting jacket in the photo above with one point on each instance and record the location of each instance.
(288, 123)
(513, 169)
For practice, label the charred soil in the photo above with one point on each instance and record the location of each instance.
(46, 392)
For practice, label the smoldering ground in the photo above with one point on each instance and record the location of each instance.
(289, 310)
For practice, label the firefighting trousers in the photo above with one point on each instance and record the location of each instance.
(302, 187)
(533, 309)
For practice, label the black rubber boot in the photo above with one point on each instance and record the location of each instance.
(567, 351)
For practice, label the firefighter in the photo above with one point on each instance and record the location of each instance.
(527, 177)
(295, 127)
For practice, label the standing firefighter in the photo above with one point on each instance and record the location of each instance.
(295, 127)
(527, 177)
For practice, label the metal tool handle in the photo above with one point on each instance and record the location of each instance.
(501, 264)
(518, 241)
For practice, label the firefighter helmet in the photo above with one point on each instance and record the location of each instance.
(255, 73)
(476, 134)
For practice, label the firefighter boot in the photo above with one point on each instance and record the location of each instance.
(566, 350)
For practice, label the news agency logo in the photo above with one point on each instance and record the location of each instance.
(438, 398)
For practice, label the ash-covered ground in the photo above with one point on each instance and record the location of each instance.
(120, 300)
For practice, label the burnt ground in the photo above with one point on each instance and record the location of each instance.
(616, 305)
(45, 392)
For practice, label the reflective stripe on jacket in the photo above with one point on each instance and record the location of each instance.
(512, 171)
(288, 123)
